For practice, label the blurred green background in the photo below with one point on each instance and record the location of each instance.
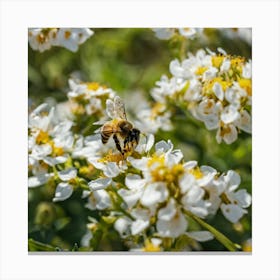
(129, 61)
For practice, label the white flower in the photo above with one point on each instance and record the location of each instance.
(135, 185)
(100, 183)
(99, 199)
(65, 189)
(122, 226)
(228, 133)
(244, 122)
(39, 180)
(180, 70)
(154, 193)
(230, 114)
(189, 33)
(217, 88)
(171, 222)
(142, 220)
(44, 38)
(39, 40)
(234, 202)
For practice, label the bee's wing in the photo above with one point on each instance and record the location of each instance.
(119, 108)
(110, 108)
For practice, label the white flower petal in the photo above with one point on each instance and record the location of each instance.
(243, 198)
(230, 114)
(122, 226)
(232, 179)
(232, 212)
(186, 182)
(190, 164)
(140, 164)
(245, 122)
(68, 174)
(130, 197)
(211, 122)
(209, 73)
(57, 160)
(163, 146)
(102, 199)
(142, 221)
(150, 142)
(153, 194)
(167, 213)
(193, 196)
(39, 180)
(99, 184)
(174, 227)
(134, 181)
(63, 191)
(111, 170)
(229, 136)
(172, 158)
(217, 88)
(225, 65)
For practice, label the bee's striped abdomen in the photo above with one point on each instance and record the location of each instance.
(106, 133)
(105, 137)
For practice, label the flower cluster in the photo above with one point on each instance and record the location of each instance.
(151, 194)
(159, 190)
(42, 39)
(216, 88)
(88, 98)
(137, 189)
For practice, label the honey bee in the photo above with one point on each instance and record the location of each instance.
(125, 136)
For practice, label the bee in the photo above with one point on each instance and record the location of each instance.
(125, 136)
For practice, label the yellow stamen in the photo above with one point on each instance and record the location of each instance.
(217, 60)
(150, 247)
(247, 85)
(93, 85)
(42, 137)
(201, 70)
(196, 172)
(67, 34)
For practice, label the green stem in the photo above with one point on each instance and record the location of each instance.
(34, 245)
(218, 235)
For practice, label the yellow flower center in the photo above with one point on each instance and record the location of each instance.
(201, 70)
(237, 63)
(150, 247)
(247, 85)
(217, 60)
(42, 138)
(57, 151)
(92, 85)
(162, 173)
(208, 86)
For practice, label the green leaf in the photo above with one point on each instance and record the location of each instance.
(218, 235)
(34, 245)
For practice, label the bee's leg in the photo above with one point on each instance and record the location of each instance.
(126, 144)
(117, 142)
